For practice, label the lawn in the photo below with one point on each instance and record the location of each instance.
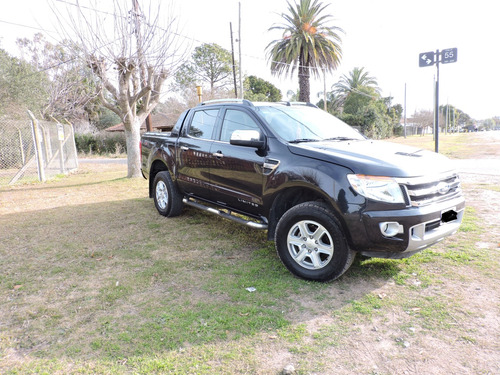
(95, 281)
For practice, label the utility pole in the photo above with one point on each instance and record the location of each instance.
(324, 89)
(447, 116)
(234, 66)
(405, 113)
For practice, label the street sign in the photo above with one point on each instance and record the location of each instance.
(449, 55)
(426, 59)
(430, 58)
(60, 132)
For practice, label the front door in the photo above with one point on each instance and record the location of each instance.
(236, 171)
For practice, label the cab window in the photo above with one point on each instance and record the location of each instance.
(236, 120)
(203, 124)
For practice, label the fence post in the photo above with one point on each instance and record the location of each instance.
(22, 147)
(74, 142)
(60, 137)
(38, 151)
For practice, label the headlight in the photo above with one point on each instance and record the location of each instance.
(379, 188)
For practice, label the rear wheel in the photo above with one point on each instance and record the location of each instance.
(311, 244)
(168, 200)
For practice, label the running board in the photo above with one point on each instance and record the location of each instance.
(225, 215)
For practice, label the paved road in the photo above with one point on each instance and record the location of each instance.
(489, 167)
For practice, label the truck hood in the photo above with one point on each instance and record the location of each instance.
(377, 158)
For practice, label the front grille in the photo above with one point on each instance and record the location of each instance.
(423, 191)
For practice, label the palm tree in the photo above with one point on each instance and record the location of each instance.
(354, 82)
(307, 44)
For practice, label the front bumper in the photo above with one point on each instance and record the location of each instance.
(421, 227)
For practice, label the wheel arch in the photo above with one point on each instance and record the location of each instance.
(156, 167)
(293, 196)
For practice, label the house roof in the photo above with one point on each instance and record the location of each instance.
(160, 122)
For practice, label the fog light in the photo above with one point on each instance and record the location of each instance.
(390, 228)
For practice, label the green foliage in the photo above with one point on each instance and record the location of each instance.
(364, 108)
(359, 98)
(260, 90)
(21, 85)
(106, 118)
(333, 103)
(356, 80)
(210, 63)
(308, 44)
(372, 119)
(101, 144)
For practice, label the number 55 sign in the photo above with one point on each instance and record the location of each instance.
(449, 55)
(430, 58)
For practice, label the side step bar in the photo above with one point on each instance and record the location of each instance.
(225, 215)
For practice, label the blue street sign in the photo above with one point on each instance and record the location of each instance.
(426, 59)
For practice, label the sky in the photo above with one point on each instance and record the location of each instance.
(385, 37)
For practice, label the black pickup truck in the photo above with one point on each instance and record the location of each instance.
(322, 190)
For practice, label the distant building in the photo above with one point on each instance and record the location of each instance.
(159, 121)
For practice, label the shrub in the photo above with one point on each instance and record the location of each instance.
(101, 143)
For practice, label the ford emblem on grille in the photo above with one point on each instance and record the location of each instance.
(443, 188)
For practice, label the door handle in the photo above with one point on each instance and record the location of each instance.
(218, 154)
(184, 148)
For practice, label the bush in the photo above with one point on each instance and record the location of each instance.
(101, 143)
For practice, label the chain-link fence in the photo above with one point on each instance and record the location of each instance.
(35, 150)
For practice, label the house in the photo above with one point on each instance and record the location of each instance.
(159, 121)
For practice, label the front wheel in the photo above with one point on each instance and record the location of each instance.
(311, 244)
(168, 200)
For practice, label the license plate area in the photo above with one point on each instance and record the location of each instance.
(448, 216)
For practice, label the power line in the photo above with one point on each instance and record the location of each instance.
(295, 66)
(187, 37)
(26, 26)
(154, 26)
(125, 17)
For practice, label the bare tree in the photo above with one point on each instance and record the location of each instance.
(423, 119)
(132, 50)
(70, 88)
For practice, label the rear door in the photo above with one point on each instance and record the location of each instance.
(195, 142)
(236, 172)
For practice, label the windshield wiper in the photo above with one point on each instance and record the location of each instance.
(304, 140)
(341, 139)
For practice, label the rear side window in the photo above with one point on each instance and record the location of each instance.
(203, 123)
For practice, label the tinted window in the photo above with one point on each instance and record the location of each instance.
(236, 120)
(203, 123)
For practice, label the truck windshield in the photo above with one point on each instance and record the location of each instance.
(306, 124)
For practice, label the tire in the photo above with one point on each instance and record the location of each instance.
(168, 200)
(311, 244)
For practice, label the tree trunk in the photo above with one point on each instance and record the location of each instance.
(304, 87)
(133, 138)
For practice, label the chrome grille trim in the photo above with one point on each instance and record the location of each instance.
(423, 191)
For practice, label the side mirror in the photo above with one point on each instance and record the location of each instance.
(247, 138)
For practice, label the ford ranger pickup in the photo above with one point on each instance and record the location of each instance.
(323, 191)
